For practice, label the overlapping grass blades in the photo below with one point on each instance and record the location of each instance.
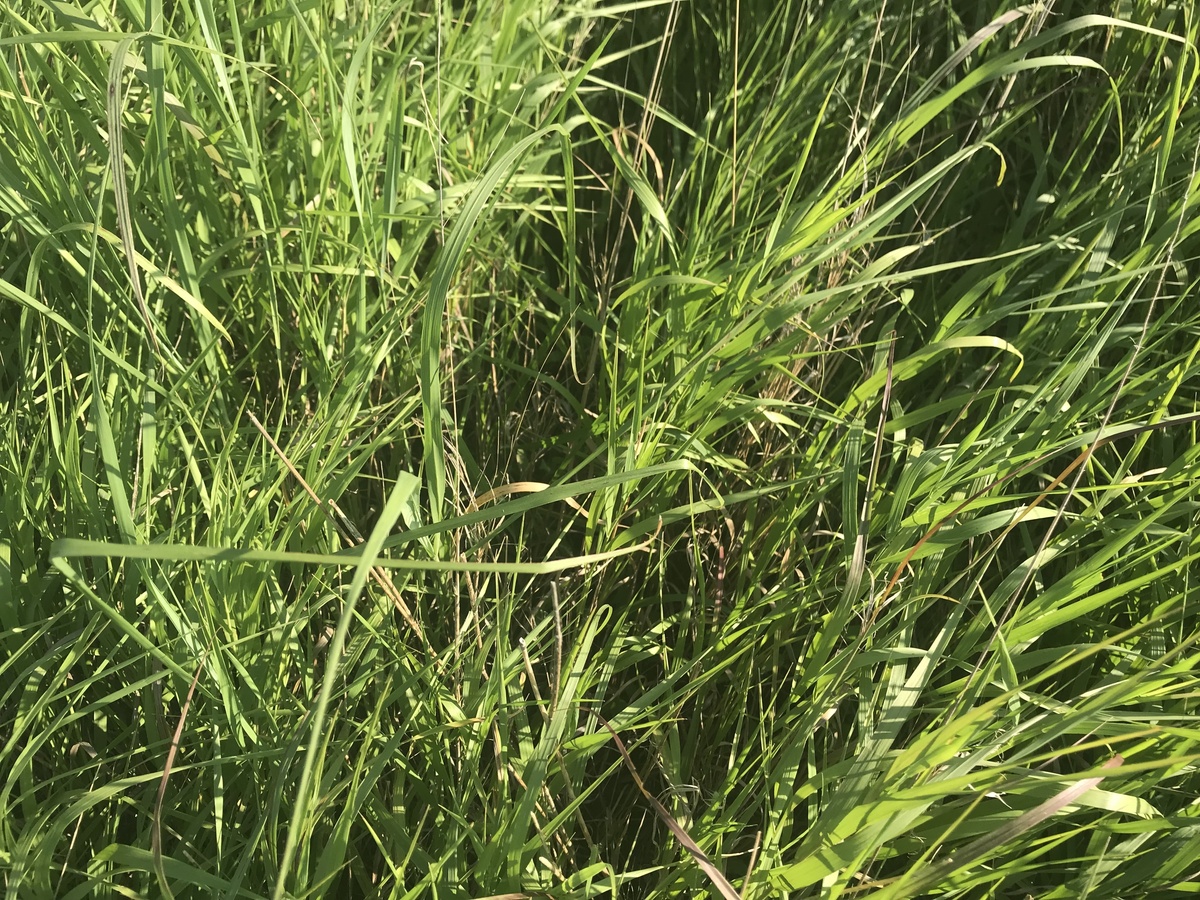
(808, 389)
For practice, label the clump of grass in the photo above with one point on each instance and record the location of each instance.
(541, 450)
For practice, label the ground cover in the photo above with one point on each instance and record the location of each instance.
(514, 449)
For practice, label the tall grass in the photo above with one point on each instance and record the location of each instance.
(524, 449)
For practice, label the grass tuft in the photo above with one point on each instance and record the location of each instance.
(773, 427)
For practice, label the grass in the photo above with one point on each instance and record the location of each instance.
(645, 450)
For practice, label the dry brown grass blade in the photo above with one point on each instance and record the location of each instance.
(519, 487)
(156, 826)
(345, 528)
(714, 874)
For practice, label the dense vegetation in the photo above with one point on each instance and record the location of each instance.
(524, 449)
